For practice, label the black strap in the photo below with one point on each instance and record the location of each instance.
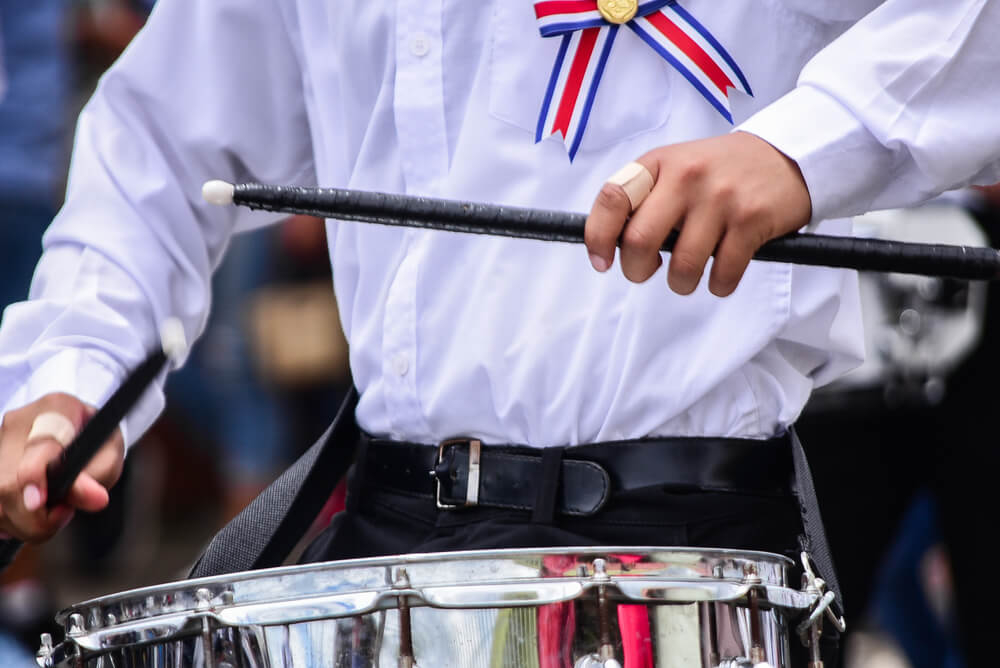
(814, 535)
(548, 482)
(266, 531)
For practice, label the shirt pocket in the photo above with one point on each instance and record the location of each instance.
(633, 96)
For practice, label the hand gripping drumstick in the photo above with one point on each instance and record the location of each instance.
(62, 472)
(964, 262)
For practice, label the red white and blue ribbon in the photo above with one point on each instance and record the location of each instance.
(587, 38)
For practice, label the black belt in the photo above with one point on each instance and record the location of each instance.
(464, 472)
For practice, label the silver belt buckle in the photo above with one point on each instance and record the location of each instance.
(472, 489)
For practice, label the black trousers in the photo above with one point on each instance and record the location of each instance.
(379, 523)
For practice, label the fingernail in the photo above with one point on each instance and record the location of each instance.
(600, 264)
(32, 498)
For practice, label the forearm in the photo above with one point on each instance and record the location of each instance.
(896, 110)
(196, 96)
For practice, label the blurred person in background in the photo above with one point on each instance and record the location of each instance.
(34, 93)
(912, 439)
(33, 130)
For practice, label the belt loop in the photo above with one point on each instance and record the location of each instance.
(547, 486)
(356, 474)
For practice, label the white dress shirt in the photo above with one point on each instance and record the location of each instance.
(881, 104)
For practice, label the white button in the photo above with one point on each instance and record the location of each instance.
(401, 364)
(420, 44)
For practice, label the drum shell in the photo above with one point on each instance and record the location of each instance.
(679, 607)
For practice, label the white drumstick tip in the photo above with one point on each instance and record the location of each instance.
(172, 338)
(218, 192)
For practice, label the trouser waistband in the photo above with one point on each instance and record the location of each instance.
(575, 480)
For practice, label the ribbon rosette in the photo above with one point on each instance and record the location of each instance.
(583, 55)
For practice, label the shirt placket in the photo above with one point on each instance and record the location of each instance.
(419, 95)
(419, 115)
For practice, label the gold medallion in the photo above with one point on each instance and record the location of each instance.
(617, 11)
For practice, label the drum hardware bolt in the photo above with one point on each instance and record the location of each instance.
(816, 586)
(228, 597)
(203, 598)
(600, 570)
(208, 650)
(110, 619)
(606, 651)
(811, 628)
(406, 659)
(737, 662)
(754, 597)
(718, 571)
(750, 575)
(75, 624)
(45, 648)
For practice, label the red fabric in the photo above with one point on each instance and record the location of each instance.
(556, 626)
(633, 621)
(564, 7)
(334, 504)
(690, 47)
(556, 621)
(577, 72)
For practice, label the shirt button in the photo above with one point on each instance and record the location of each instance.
(420, 44)
(401, 364)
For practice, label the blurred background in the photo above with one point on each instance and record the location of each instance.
(902, 449)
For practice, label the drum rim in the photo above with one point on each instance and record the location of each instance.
(418, 558)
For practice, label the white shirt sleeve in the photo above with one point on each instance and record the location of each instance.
(207, 90)
(900, 107)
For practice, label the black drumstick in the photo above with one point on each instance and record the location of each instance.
(964, 262)
(62, 472)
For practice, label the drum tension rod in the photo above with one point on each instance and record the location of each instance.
(755, 595)
(203, 598)
(406, 659)
(606, 649)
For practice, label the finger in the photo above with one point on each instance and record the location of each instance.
(31, 472)
(54, 425)
(731, 260)
(106, 465)
(45, 523)
(703, 227)
(618, 197)
(647, 229)
(87, 494)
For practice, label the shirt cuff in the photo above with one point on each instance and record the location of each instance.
(80, 374)
(844, 166)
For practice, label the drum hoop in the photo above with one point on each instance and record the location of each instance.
(97, 629)
(425, 557)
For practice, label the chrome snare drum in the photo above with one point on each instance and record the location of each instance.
(581, 607)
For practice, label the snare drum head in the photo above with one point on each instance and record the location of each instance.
(462, 608)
